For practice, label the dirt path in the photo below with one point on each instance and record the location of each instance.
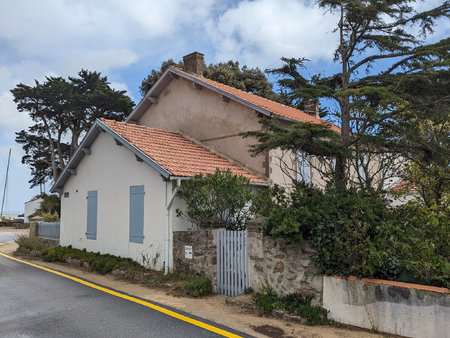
(212, 308)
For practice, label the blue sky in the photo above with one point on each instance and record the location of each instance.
(126, 39)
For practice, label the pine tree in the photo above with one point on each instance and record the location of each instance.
(381, 58)
(63, 109)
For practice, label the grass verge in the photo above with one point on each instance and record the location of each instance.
(181, 282)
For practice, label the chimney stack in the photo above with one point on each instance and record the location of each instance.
(194, 63)
(312, 108)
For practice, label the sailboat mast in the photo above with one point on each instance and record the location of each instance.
(6, 182)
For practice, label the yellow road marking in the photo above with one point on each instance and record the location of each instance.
(132, 299)
(6, 242)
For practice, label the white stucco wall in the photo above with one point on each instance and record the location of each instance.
(405, 311)
(31, 207)
(111, 170)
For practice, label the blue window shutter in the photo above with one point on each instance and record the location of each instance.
(137, 214)
(91, 232)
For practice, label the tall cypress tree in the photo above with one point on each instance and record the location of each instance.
(381, 54)
(63, 109)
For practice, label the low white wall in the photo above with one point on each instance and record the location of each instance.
(398, 308)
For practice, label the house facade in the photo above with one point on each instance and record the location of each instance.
(119, 190)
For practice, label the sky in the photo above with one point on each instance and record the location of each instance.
(125, 40)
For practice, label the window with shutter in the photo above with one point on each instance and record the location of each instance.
(137, 214)
(91, 229)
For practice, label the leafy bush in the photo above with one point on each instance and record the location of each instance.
(358, 233)
(50, 217)
(266, 300)
(49, 207)
(425, 251)
(219, 195)
(198, 287)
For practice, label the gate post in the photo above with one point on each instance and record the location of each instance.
(34, 229)
(255, 253)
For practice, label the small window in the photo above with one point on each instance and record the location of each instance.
(303, 167)
(137, 214)
(66, 194)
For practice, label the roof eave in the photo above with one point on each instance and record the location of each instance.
(87, 142)
(154, 91)
(185, 178)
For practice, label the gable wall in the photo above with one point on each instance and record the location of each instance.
(204, 116)
(111, 170)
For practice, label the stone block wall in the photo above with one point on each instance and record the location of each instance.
(287, 268)
(204, 252)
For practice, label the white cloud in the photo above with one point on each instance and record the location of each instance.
(122, 86)
(103, 60)
(259, 32)
(11, 120)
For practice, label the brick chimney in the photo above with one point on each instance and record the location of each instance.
(194, 63)
(311, 108)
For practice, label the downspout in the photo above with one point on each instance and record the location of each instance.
(167, 239)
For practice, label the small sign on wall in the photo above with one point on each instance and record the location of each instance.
(188, 251)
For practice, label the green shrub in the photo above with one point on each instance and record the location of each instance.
(49, 208)
(314, 315)
(50, 217)
(358, 233)
(265, 299)
(198, 287)
(99, 263)
(31, 243)
(222, 195)
(249, 291)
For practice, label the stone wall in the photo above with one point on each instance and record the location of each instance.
(204, 252)
(287, 268)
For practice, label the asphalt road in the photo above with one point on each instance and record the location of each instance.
(36, 303)
(8, 236)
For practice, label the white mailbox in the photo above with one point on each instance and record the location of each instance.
(188, 251)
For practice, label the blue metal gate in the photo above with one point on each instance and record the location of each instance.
(232, 262)
(48, 229)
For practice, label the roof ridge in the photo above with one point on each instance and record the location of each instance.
(140, 126)
(268, 101)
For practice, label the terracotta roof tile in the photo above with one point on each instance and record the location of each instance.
(274, 107)
(403, 185)
(175, 153)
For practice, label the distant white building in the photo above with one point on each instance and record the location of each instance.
(31, 207)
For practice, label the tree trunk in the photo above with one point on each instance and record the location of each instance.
(58, 147)
(52, 150)
(74, 143)
(341, 165)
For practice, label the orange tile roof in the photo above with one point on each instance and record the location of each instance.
(175, 153)
(275, 107)
(403, 185)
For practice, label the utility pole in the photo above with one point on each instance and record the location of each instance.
(6, 182)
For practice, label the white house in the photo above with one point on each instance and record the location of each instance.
(30, 207)
(118, 191)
